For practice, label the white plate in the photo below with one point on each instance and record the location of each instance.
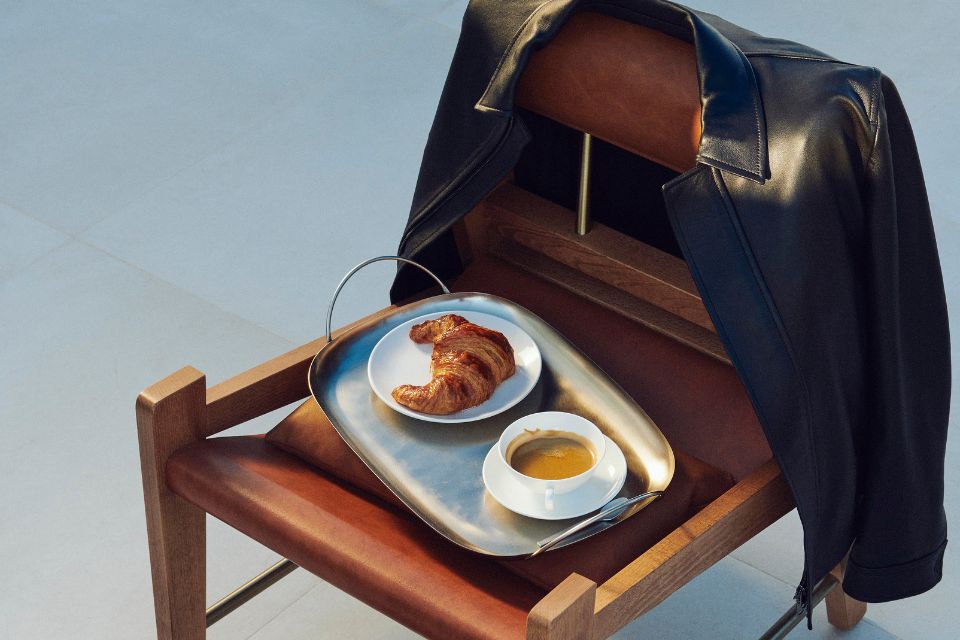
(396, 360)
(603, 485)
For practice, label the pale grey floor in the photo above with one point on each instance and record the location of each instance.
(185, 182)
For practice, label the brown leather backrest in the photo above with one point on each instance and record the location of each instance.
(630, 85)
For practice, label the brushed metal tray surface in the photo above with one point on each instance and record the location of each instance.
(435, 469)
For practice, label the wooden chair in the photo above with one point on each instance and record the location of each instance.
(326, 526)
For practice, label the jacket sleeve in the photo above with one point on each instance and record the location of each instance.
(901, 525)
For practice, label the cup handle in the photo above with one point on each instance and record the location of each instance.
(548, 498)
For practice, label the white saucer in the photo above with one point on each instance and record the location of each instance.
(603, 485)
(396, 360)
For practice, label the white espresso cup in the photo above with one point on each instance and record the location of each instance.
(551, 421)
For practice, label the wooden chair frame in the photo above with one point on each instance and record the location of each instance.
(602, 266)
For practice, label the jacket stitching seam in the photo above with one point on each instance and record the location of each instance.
(755, 95)
(706, 156)
(901, 566)
(775, 313)
(874, 95)
(874, 115)
(724, 165)
(683, 177)
(792, 56)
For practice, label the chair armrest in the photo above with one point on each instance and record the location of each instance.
(268, 386)
(742, 512)
(265, 387)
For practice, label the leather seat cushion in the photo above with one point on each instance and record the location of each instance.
(382, 555)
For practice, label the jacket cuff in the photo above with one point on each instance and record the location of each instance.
(882, 584)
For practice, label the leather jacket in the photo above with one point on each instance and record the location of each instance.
(806, 227)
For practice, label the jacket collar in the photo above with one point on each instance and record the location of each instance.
(733, 138)
(734, 134)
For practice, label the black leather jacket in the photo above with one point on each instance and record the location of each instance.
(806, 228)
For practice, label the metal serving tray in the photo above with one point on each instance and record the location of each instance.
(435, 469)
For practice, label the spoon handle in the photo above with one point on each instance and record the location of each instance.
(610, 511)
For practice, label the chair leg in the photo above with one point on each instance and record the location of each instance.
(843, 611)
(170, 414)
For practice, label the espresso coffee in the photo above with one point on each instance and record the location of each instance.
(550, 454)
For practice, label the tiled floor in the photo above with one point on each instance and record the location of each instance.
(185, 182)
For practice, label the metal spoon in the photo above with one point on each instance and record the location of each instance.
(610, 511)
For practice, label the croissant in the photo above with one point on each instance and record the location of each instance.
(467, 364)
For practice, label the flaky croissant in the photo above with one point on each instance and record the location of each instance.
(467, 364)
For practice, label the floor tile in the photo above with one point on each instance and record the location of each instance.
(948, 244)
(23, 240)
(82, 334)
(451, 15)
(326, 613)
(929, 616)
(936, 156)
(267, 226)
(422, 8)
(733, 600)
(778, 550)
(233, 559)
(102, 104)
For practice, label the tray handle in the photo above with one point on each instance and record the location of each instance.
(361, 266)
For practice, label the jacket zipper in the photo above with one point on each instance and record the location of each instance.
(800, 596)
(802, 599)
